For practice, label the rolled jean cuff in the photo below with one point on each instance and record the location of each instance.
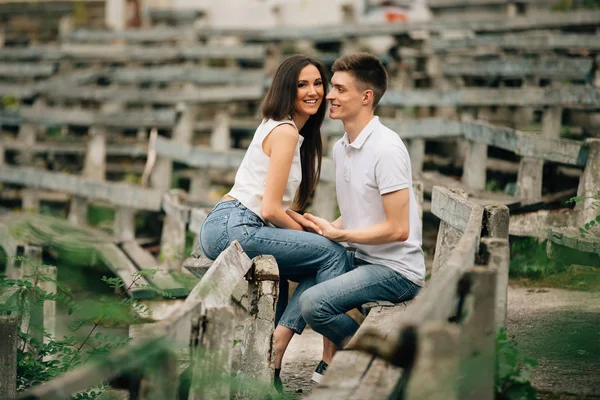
(297, 327)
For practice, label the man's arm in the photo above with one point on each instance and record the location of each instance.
(395, 228)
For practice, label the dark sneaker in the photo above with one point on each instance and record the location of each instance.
(317, 376)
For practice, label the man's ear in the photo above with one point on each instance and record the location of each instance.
(367, 97)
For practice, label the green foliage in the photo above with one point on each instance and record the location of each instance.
(101, 217)
(529, 259)
(592, 225)
(9, 102)
(39, 362)
(513, 371)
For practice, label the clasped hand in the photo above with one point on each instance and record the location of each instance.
(326, 228)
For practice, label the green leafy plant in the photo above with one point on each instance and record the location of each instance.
(513, 371)
(593, 224)
(42, 360)
(529, 259)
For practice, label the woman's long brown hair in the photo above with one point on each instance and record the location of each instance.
(279, 104)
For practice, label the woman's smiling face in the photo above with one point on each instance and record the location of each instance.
(309, 95)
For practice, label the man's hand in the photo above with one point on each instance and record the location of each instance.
(309, 226)
(327, 228)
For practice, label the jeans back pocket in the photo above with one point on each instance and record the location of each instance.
(214, 238)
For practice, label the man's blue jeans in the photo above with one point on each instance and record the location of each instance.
(299, 254)
(324, 305)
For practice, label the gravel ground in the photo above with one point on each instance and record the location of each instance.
(559, 328)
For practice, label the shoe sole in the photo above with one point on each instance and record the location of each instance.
(316, 377)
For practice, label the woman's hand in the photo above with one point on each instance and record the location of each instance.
(306, 224)
(327, 228)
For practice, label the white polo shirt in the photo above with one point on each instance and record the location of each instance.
(377, 163)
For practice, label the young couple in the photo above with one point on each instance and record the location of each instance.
(374, 191)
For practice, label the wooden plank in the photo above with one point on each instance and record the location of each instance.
(451, 208)
(436, 368)
(133, 357)
(118, 194)
(27, 70)
(17, 91)
(120, 53)
(532, 42)
(162, 34)
(213, 357)
(541, 20)
(556, 67)
(568, 96)
(572, 152)
(144, 260)
(201, 76)
(8, 355)
(431, 179)
(478, 347)
(379, 381)
(569, 237)
(76, 146)
(343, 376)
(122, 266)
(190, 95)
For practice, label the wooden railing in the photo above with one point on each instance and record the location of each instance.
(235, 295)
(440, 346)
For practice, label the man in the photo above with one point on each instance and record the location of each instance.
(379, 214)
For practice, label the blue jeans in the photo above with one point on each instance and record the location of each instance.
(299, 254)
(324, 306)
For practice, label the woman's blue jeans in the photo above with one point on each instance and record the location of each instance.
(299, 254)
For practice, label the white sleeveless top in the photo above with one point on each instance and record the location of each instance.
(250, 180)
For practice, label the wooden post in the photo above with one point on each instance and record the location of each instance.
(589, 183)
(8, 355)
(474, 168)
(94, 168)
(433, 376)
(447, 238)
(496, 221)
(416, 149)
(49, 305)
(529, 179)
(27, 136)
(497, 253)
(258, 360)
(418, 189)
(182, 133)
(172, 239)
(212, 356)
(478, 338)
(124, 226)
(161, 381)
(220, 138)
(32, 321)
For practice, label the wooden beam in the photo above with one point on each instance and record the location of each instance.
(201, 76)
(162, 280)
(27, 70)
(572, 152)
(118, 194)
(116, 53)
(556, 67)
(451, 208)
(567, 96)
(532, 42)
(156, 96)
(133, 357)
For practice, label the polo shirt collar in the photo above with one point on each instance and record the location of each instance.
(363, 135)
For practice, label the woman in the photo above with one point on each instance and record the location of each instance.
(281, 169)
